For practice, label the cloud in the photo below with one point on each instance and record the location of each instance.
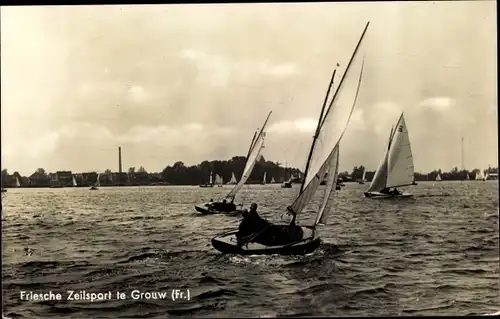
(138, 93)
(302, 125)
(439, 103)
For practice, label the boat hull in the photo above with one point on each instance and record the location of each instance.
(204, 210)
(226, 243)
(379, 195)
(93, 188)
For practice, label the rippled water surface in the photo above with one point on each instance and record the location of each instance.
(435, 254)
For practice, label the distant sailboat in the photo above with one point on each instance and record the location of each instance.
(218, 180)
(210, 184)
(272, 181)
(363, 177)
(74, 182)
(287, 183)
(480, 176)
(97, 184)
(18, 184)
(396, 168)
(486, 176)
(264, 179)
(467, 178)
(438, 177)
(233, 180)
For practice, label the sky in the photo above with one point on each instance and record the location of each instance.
(189, 83)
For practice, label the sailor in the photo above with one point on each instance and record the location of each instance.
(252, 223)
(385, 191)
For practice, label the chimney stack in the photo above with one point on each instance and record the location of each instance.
(119, 159)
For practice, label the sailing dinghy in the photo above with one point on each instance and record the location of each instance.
(363, 178)
(396, 168)
(74, 182)
(233, 180)
(210, 184)
(97, 184)
(227, 205)
(218, 180)
(264, 179)
(323, 157)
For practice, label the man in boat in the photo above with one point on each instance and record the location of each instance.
(395, 192)
(255, 228)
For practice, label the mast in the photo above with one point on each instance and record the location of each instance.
(316, 133)
(322, 118)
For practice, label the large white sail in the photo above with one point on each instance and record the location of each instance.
(400, 160)
(331, 183)
(253, 156)
(330, 130)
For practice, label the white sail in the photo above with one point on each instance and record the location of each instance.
(331, 183)
(74, 182)
(438, 177)
(331, 129)
(18, 184)
(479, 176)
(210, 178)
(264, 179)
(232, 180)
(363, 177)
(467, 178)
(218, 179)
(486, 176)
(400, 160)
(253, 156)
(273, 181)
(98, 183)
(379, 180)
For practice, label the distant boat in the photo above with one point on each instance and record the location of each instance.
(287, 183)
(272, 181)
(264, 179)
(396, 168)
(363, 177)
(486, 176)
(218, 180)
(480, 176)
(233, 180)
(467, 178)
(97, 184)
(210, 184)
(4, 190)
(225, 206)
(438, 177)
(18, 184)
(74, 182)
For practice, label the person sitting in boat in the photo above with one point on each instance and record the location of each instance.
(251, 225)
(386, 191)
(396, 192)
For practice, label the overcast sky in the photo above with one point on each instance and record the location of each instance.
(193, 82)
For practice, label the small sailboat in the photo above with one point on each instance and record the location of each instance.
(97, 183)
(218, 180)
(438, 177)
(233, 180)
(253, 155)
(323, 157)
(486, 176)
(74, 182)
(467, 177)
(264, 179)
(272, 181)
(18, 184)
(210, 184)
(480, 176)
(288, 182)
(396, 168)
(363, 177)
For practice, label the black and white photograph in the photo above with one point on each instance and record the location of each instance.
(249, 160)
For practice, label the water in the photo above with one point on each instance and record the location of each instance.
(434, 255)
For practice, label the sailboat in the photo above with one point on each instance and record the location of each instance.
(363, 178)
(233, 180)
(479, 176)
(264, 179)
(18, 184)
(438, 177)
(252, 156)
(396, 168)
(218, 180)
(323, 157)
(467, 177)
(97, 183)
(74, 182)
(287, 183)
(272, 181)
(486, 176)
(210, 184)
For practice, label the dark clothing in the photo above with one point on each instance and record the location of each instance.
(267, 233)
(223, 207)
(385, 191)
